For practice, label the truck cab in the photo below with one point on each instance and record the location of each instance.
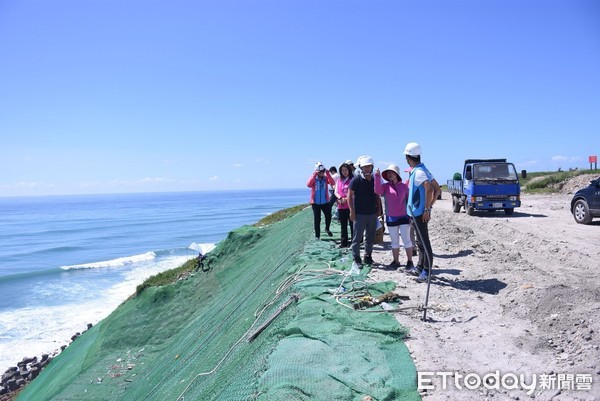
(487, 184)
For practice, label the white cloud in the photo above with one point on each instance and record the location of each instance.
(213, 178)
(261, 160)
(154, 180)
(27, 184)
(238, 165)
(567, 159)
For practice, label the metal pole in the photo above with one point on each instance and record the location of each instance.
(428, 264)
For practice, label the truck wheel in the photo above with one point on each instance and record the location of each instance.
(469, 210)
(455, 204)
(509, 211)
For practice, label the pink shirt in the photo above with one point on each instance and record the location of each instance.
(395, 197)
(342, 190)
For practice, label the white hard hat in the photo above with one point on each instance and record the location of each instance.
(364, 161)
(319, 166)
(413, 149)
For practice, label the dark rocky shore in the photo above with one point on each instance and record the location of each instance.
(17, 377)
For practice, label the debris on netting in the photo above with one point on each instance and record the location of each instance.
(293, 298)
(194, 332)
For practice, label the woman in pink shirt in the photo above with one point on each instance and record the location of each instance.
(341, 193)
(395, 195)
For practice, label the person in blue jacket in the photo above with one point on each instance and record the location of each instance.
(319, 182)
(423, 191)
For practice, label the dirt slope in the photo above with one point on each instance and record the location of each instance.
(519, 294)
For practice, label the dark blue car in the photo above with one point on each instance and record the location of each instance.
(585, 204)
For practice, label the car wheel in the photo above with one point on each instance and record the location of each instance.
(581, 212)
(469, 210)
(509, 211)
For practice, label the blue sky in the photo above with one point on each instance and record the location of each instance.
(106, 96)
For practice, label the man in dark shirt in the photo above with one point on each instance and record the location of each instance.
(363, 209)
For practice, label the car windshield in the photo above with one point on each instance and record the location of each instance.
(495, 172)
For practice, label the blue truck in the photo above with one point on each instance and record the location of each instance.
(486, 184)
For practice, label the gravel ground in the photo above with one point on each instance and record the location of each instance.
(515, 294)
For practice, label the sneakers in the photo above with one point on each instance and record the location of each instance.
(358, 262)
(392, 266)
(422, 277)
(409, 266)
(368, 260)
(414, 271)
(329, 233)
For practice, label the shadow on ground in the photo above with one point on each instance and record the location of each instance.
(459, 254)
(500, 214)
(490, 286)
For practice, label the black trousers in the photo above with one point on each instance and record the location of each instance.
(423, 243)
(344, 215)
(317, 209)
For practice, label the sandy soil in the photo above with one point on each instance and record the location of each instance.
(516, 294)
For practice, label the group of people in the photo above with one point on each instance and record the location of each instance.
(357, 192)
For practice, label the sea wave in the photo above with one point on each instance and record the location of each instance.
(124, 261)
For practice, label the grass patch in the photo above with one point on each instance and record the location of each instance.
(280, 215)
(168, 276)
(172, 275)
(545, 182)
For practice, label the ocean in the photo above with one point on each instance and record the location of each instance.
(66, 261)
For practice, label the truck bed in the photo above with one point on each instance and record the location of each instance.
(455, 187)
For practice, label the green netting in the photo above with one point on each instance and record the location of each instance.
(189, 340)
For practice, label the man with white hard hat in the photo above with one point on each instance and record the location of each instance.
(423, 191)
(363, 209)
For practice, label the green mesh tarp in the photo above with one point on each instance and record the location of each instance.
(189, 340)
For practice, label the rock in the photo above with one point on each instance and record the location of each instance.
(33, 373)
(45, 357)
(3, 390)
(89, 326)
(27, 360)
(12, 385)
(21, 382)
(8, 375)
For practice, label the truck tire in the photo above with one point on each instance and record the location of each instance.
(456, 204)
(509, 211)
(469, 210)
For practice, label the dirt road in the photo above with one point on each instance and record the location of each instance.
(513, 294)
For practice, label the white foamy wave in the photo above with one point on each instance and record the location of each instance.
(124, 261)
(203, 248)
(43, 329)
